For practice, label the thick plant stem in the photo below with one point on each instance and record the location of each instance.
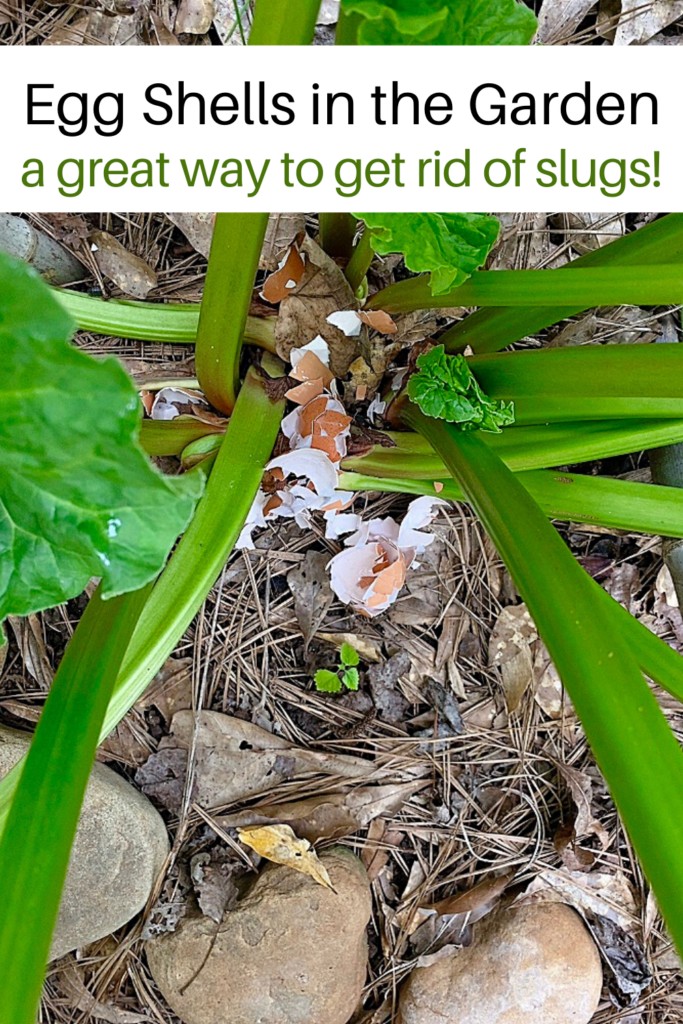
(597, 665)
(619, 504)
(235, 250)
(41, 824)
(277, 23)
(360, 261)
(206, 545)
(337, 231)
(152, 321)
(667, 469)
(348, 27)
(600, 286)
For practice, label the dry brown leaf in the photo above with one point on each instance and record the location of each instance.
(171, 689)
(197, 227)
(510, 650)
(364, 381)
(310, 587)
(131, 273)
(331, 815)
(194, 17)
(321, 290)
(477, 901)
(559, 19)
(640, 20)
(368, 650)
(378, 846)
(279, 844)
(70, 982)
(607, 895)
(29, 636)
(581, 788)
(586, 232)
(162, 32)
(282, 230)
(69, 34)
(549, 692)
(665, 588)
(235, 760)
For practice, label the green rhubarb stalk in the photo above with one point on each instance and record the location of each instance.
(489, 330)
(235, 251)
(348, 26)
(205, 546)
(618, 504)
(541, 446)
(149, 321)
(171, 437)
(41, 824)
(632, 742)
(589, 382)
(337, 231)
(280, 24)
(360, 261)
(601, 286)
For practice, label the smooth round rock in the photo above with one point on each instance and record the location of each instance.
(535, 963)
(120, 848)
(291, 952)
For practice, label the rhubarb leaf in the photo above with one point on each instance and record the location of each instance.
(449, 245)
(442, 22)
(78, 497)
(445, 389)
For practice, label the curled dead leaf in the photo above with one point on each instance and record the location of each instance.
(131, 273)
(278, 843)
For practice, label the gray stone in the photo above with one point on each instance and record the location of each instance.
(535, 963)
(291, 952)
(120, 847)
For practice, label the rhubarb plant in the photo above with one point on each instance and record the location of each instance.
(569, 406)
(471, 423)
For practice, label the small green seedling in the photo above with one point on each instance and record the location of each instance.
(345, 676)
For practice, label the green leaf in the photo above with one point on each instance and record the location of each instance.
(78, 497)
(350, 678)
(349, 655)
(445, 389)
(36, 841)
(442, 22)
(633, 743)
(449, 245)
(326, 681)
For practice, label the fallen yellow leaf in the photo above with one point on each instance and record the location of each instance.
(280, 844)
